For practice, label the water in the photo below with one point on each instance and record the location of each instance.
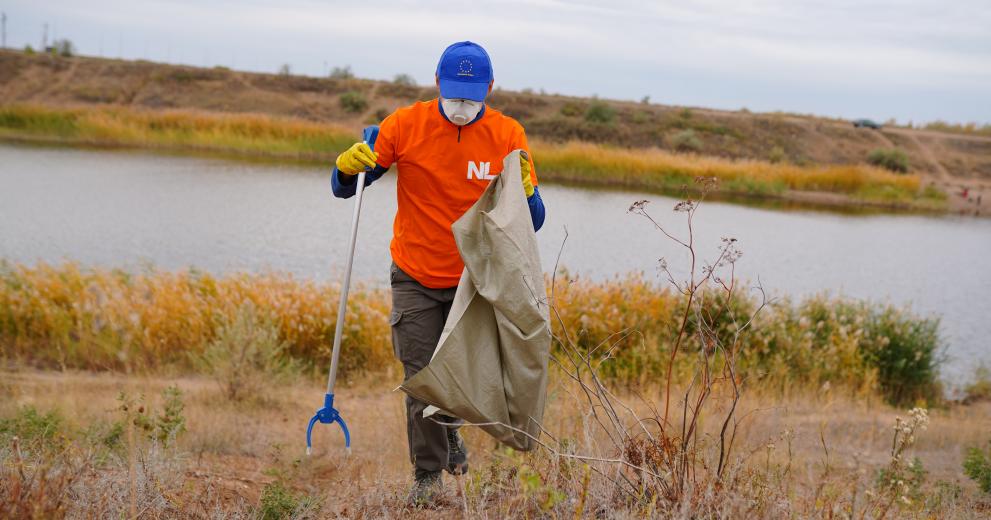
(127, 209)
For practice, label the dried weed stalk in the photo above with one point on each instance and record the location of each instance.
(652, 456)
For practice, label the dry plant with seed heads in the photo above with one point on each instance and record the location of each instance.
(656, 454)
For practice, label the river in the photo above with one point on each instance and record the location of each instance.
(132, 209)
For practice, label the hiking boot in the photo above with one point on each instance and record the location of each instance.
(426, 486)
(457, 453)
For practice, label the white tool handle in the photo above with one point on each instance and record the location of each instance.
(342, 308)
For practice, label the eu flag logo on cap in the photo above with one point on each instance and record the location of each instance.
(464, 72)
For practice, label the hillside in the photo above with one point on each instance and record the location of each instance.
(947, 160)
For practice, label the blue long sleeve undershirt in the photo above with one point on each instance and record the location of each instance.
(344, 187)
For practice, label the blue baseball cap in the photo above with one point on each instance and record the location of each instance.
(465, 72)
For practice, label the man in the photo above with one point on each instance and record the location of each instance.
(446, 150)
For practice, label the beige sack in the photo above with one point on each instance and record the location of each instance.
(490, 365)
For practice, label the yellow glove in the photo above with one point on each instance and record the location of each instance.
(356, 159)
(525, 173)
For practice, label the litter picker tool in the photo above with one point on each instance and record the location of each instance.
(328, 414)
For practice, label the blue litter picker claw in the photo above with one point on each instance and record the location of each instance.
(328, 414)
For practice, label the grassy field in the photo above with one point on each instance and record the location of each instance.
(261, 136)
(801, 455)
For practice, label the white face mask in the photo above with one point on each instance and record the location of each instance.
(461, 111)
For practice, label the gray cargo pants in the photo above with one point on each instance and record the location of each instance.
(417, 320)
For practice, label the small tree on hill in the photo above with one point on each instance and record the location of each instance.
(354, 101)
(64, 48)
(686, 141)
(341, 73)
(405, 80)
(599, 112)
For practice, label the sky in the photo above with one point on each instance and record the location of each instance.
(910, 60)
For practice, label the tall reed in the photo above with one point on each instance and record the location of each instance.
(91, 318)
(664, 170)
(246, 134)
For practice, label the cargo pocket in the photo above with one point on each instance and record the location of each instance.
(394, 318)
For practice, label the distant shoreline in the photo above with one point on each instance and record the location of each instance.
(260, 136)
(803, 160)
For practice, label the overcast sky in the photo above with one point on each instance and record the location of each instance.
(913, 60)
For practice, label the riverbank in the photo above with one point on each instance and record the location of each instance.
(268, 137)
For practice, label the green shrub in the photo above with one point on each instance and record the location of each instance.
(686, 141)
(571, 109)
(353, 101)
(378, 116)
(165, 427)
(108, 435)
(30, 425)
(815, 340)
(600, 112)
(776, 155)
(170, 422)
(933, 193)
(341, 73)
(29, 50)
(854, 343)
(904, 480)
(977, 466)
(404, 80)
(64, 48)
(980, 388)
(891, 159)
(279, 502)
(247, 356)
(904, 349)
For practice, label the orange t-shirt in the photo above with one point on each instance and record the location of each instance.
(443, 170)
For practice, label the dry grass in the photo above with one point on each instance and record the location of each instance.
(67, 316)
(959, 128)
(658, 168)
(254, 135)
(231, 452)
(243, 134)
(109, 319)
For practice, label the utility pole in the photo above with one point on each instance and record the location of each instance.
(3, 22)
(44, 37)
